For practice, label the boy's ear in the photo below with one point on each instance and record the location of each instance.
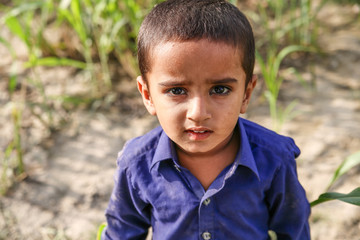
(248, 92)
(145, 93)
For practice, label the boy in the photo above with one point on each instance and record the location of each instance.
(205, 173)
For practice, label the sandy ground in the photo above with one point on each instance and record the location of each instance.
(70, 172)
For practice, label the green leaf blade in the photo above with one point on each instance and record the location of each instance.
(350, 162)
(54, 62)
(352, 197)
(15, 27)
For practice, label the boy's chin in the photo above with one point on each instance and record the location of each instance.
(196, 150)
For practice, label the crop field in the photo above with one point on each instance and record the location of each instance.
(69, 102)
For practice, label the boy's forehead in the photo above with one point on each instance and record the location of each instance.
(186, 46)
(202, 58)
(198, 41)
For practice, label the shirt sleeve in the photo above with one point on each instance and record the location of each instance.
(127, 215)
(288, 206)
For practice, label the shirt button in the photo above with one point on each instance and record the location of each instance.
(206, 235)
(207, 201)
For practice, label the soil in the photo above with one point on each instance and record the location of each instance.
(70, 170)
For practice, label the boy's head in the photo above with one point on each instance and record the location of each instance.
(196, 59)
(184, 20)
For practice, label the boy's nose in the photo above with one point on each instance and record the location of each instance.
(198, 110)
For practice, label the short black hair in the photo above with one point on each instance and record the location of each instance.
(184, 20)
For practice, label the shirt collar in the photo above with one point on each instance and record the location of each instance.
(245, 156)
(165, 150)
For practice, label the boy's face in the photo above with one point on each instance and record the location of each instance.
(197, 91)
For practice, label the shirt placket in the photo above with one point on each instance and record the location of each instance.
(206, 219)
(206, 209)
(207, 206)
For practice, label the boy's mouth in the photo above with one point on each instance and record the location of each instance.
(198, 133)
(198, 130)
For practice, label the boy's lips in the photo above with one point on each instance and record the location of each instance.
(198, 133)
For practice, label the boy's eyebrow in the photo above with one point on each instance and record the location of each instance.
(175, 83)
(222, 81)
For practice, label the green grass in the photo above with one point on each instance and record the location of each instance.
(12, 166)
(105, 31)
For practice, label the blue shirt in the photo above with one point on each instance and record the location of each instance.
(260, 191)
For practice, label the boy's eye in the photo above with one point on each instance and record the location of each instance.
(220, 90)
(177, 91)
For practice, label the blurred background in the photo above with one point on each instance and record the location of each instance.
(68, 103)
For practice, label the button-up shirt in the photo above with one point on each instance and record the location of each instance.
(259, 192)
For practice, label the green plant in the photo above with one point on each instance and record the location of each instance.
(289, 22)
(107, 27)
(71, 11)
(25, 22)
(354, 196)
(12, 158)
(16, 115)
(6, 171)
(100, 231)
(285, 27)
(270, 68)
(20, 21)
(104, 28)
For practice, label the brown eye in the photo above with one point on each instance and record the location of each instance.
(177, 91)
(220, 90)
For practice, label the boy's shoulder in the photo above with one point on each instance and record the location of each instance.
(269, 140)
(142, 147)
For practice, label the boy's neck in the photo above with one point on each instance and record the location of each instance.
(207, 167)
